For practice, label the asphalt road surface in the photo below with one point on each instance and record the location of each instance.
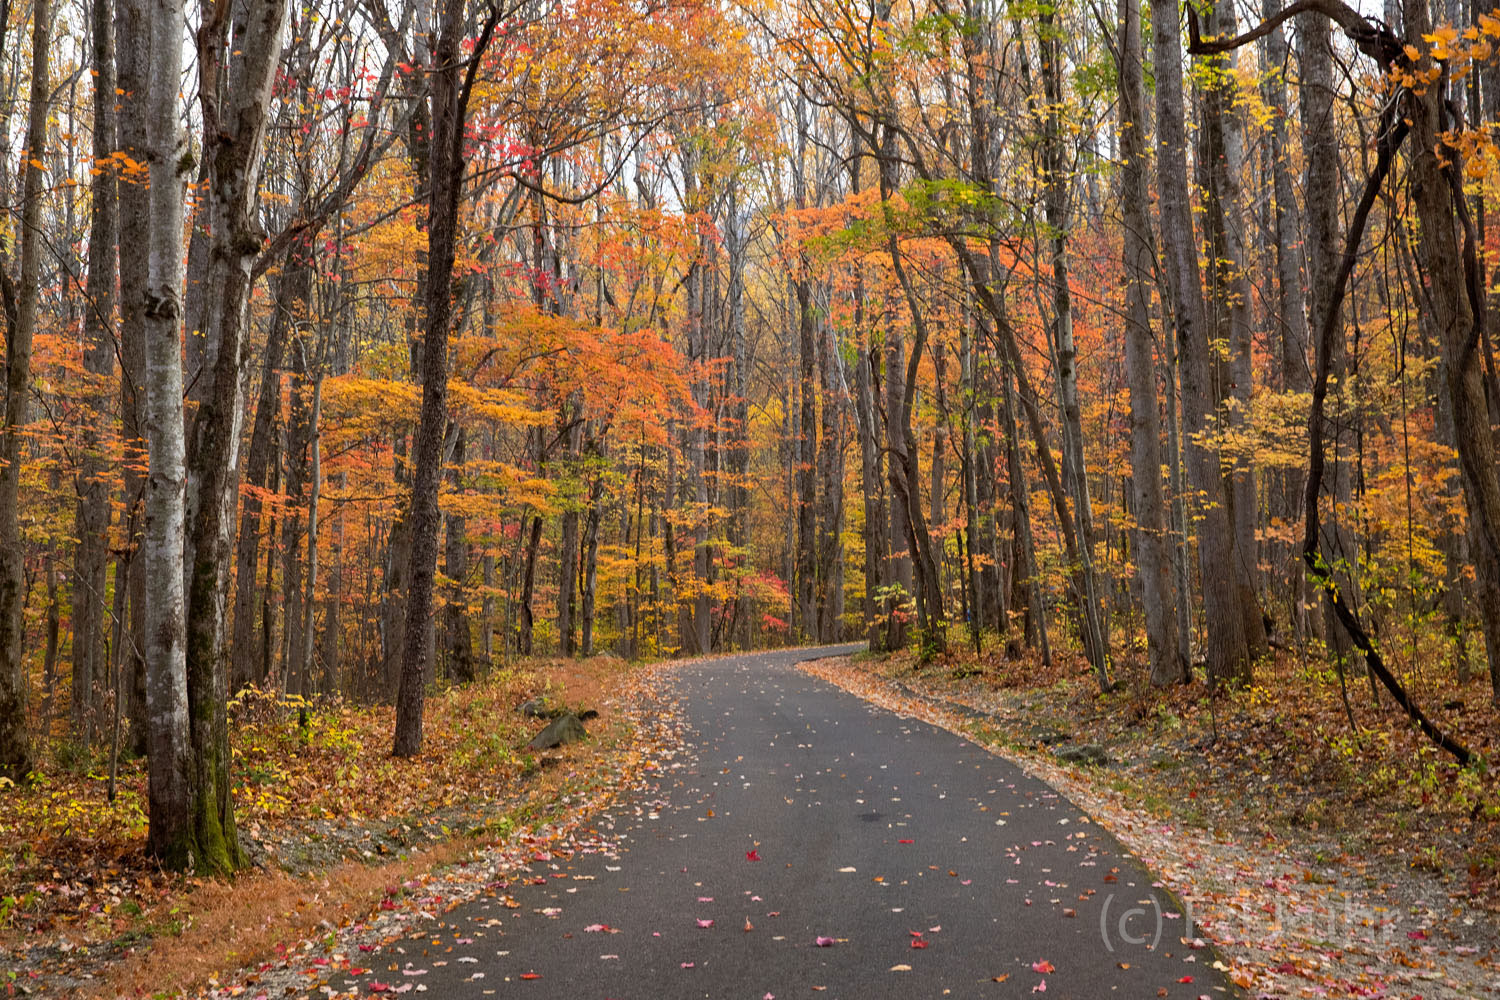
(814, 845)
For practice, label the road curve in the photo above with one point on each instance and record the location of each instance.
(814, 845)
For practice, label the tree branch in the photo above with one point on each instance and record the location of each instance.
(1393, 131)
(1372, 37)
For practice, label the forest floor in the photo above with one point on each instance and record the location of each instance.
(334, 826)
(1322, 861)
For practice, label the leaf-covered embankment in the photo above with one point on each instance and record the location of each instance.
(332, 821)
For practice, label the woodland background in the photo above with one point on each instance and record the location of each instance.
(358, 350)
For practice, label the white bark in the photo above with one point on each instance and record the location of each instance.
(170, 164)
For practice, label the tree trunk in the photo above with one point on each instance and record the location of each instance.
(1223, 162)
(1449, 258)
(295, 459)
(567, 558)
(449, 99)
(155, 38)
(831, 505)
(1055, 199)
(314, 492)
(91, 558)
(1291, 319)
(1020, 496)
(456, 568)
(132, 71)
(528, 587)
(1152, 559)
(1321, 152)
(234, 92)
(20, 309)
(487, 608)
(871, 475)
(1229, 653)
(590, 574)
(978, 609)
(293, 289)
(807, 480)
(898, 575)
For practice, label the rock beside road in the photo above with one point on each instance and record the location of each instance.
(561, 730)
(1091, 754)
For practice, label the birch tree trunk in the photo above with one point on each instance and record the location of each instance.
(158, 50)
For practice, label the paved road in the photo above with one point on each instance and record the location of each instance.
(871, 830)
